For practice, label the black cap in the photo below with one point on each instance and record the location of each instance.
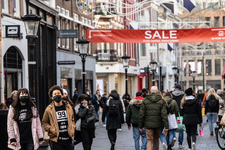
(189, 91)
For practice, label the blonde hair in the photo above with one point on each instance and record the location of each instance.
(212, 91)
(183, 101)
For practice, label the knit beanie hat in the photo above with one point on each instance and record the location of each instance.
(189, 92)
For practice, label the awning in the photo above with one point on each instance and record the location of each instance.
(223, 73)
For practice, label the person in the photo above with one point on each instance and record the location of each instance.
(89, 95)
(126, 99)
(145, 92)
(102, 104)
(204, 98)
(212, 108)
(115, 119)
(67, 98)
(95, 101)
(3, 106)
(200, 96)
(192, 116)
(23, 123)
(58, 121)
(12, 98)
(221, 104)
(153, 113)
(177, 96)
(75, 97)
(132, 117)
(77, 135)
(88, 115)
(172, 109)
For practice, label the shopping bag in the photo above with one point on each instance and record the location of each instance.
(172, 122)
(180, 125)
(203, 111)
(201, 132)
(222, 122)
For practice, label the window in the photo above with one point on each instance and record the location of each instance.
(212, 5)
(199, 68)
(208, 19)
(122, 46)
(58, 8)
(63, 11)
(204, 5)
(216, 21)
(58, 29)
(67, 13)
(63, 40)
(67, 40)
(75, 39)
(185, 66)
(223, 21)
(82, 19)
(16, 9)
(142, 50)
(191, 64)
(3, 4)
(85, 21)
(217, 67)
(89, 22)
(208, 67)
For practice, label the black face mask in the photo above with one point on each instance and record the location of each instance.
(65, 98)
(57, 98)
(23, 99)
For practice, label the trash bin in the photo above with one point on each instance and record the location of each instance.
(3, 129)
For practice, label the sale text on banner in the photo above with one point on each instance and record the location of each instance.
(156, 36)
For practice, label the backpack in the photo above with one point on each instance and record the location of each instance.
(113, 108)
(213, 103)
(169, 107)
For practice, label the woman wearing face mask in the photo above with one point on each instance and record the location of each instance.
(87, 114)
(58, 121)
(23, 125)
(67, 98)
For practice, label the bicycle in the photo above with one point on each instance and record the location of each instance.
(220, 134)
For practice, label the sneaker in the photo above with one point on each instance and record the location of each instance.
(174, 141)
(164, 146)
(120, 129)
(181, 147)
(104, 125)
(193, 146)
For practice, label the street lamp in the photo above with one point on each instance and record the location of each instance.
(31, 22)
(193, 75)
(83, 48)
(175, 72)
(153, 65)
(126, 60)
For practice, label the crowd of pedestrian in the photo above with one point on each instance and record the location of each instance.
(150, 115)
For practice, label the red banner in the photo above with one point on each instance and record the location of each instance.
(156, 36)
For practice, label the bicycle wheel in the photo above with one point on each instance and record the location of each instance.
(220, 136)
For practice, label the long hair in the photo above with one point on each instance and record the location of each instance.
(80, 99)
(168, 94)
(16, 105)
(212, 92)
(183, 101)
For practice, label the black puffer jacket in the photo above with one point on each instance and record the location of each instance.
(177, 96)
(212, 105)
(87, 116)
(112, 121)
(192, 112)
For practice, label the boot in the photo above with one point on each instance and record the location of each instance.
(169, 147)
(211, 133)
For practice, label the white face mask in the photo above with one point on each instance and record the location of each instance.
(87, 92)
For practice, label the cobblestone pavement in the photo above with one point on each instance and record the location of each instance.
(125, 140)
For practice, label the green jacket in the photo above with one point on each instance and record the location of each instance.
(173, 105)
(132, 113)
(153, 112)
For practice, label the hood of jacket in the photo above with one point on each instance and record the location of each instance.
(136, 103)
(190, 101)
(114, 96)
(209, 97)
(168, 99)
(177, 93)
(153, 97)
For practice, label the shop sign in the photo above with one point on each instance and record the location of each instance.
(67, 34)
(66, 62)
(12, 31)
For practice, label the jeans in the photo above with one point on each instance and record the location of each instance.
(152, 138)
(161, 136)
(191, 134)
(87, 135)
(137, 135)
(212, 120)
(56, 146)
(181, 138)
(170, 136)
(105, 119)
(27, 146)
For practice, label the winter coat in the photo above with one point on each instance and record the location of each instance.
(50, 124)
(13, 129)
(173, 105)
(87, 116)
(103, 101)
(208, 103)
(177, 96)
(153, 112)
(95, 102)
(132, 113)
(192, 111)
(112, 121)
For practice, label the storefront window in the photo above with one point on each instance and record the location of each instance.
(66, 84)
(191, 64)
(217, 67)
(208, 67)
(199, 68)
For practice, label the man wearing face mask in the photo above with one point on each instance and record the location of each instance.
(58, 121)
